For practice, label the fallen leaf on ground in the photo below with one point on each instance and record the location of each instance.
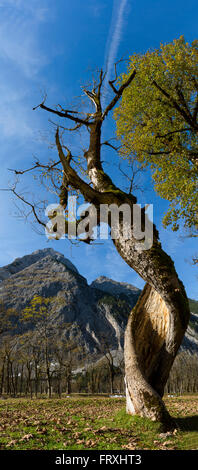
(11, 443)
(26, 437)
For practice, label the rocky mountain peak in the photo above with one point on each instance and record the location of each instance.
(87, 313)
(19, 264)
(118, 289)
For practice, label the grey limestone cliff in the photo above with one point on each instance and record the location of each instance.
(87, 314)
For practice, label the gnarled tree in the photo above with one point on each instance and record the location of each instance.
(158, 322)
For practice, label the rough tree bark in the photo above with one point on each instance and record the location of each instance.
(158, 322)
(154, 332)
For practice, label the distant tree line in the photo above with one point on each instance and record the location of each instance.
(33, 368)
(183, 376)
(36, 358)
(29, 370)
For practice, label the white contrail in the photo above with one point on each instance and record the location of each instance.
(116, 36)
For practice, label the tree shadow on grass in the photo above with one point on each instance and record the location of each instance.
(189, 423)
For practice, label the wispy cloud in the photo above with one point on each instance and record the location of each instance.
(114, 36)
(22, 60)
(34, 7)
(19, 31)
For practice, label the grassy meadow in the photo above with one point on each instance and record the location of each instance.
(93, 423)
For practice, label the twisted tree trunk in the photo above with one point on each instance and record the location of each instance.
(154, 332)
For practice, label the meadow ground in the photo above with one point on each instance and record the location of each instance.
(93, 423)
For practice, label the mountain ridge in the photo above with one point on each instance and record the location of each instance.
(21, 263)
(90, 312)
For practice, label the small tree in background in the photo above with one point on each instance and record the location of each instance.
(38, 314)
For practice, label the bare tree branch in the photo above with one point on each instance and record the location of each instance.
(33, 210)
(36, 166)
(72, 178)
(119, 93)
(110, 145)
(75, 128)
(64, 114)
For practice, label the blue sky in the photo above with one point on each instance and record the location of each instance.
(54, 47)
